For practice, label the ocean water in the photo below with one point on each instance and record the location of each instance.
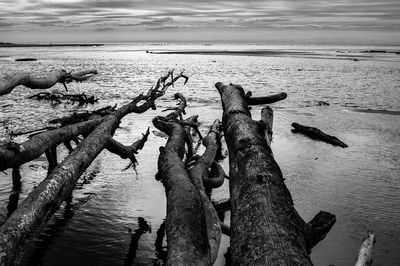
(359, 184)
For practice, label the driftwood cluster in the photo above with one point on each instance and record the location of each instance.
(265, 228)
(58, 97)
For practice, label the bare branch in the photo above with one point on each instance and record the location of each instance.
(9, 82)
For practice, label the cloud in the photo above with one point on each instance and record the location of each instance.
(107, 15)
(5, 24)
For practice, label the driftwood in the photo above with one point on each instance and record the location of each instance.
(13, 155)
(365, 253)
(58, 97)
(265, 100)
(9, 82)
(74, 118)
(43, 201)
(25, 59)
(192, 224)
(83, 116)
(265, 227)
(315, 133)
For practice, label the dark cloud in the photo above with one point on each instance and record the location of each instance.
(5, 24)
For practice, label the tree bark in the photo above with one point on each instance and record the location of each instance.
(9, 82)
(315, 133)
(43, 201)
(265, 227)
(192, 224)
(15, 155)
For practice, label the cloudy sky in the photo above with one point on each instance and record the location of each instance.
(197, 20)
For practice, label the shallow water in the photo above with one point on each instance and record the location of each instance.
(359, 184)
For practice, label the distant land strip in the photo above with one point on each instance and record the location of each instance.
(243, 52)
(8, 44)
(386, 112)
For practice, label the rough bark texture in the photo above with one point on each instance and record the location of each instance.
(192, 224)
(365, 253)
(9, 82)
(315, 133)
(265, 227)
(43, 201)
(267, 116)
(12, 156)
(265, 100)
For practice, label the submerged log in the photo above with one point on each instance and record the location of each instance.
(365, 253)
(192, 224)
(42, 202)
(265, 227)
(317, 134)
(265, 100)
(9, 82)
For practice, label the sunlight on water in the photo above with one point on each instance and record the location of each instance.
(360, 184)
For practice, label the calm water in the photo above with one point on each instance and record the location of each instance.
(360, 184)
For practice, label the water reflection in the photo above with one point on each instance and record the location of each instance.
(161, 250)
(143, 227)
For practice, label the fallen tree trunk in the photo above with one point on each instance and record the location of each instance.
(266, 99)
(265, 227)
(192, 224)
(365, 253)
(9, 82)
(43, 201)
(13, 155)
(317, 134)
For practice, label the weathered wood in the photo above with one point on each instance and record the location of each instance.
(318, 228)
(9, 81)
(317, 134)
(267, 116)
(265, 227)
(126, 152)
(58, 97)
(192, 224)
(18, 154)
(43, 201)
(266, 99)
(83, 116)
(365, 253)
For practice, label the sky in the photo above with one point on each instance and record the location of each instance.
(32, 21)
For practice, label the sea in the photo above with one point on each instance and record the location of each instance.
(359, 184)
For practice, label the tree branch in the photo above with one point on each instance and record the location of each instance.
(9, 82)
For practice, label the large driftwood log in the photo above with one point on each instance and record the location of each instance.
(13, 155)
(9, 82)
(43, 201)
(265, 227)
(266, 99)
(192, 224)
(365, 253)
(315, 133)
